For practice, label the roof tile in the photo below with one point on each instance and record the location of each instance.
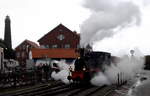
(54, 53)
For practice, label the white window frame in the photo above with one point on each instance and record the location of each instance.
(61, 37)
(55, 46)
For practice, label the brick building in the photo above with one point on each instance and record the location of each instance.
(22, 51)
(60, 37)
(59, 43)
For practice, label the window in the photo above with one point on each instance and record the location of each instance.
(24, 47)
(23, 54)
(60, 37)
(20, 48)
(42, 46)
(18, 54)
(78, 46)
(67, 45)
(54, 46)
(47, 46)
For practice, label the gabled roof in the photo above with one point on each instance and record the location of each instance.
(32, 43)
(29, 42)
(60, 26)
(54, 53)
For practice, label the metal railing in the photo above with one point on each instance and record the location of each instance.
(20, 77)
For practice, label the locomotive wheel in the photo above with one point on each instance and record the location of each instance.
(87, 78)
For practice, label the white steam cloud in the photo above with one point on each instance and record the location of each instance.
(64, 71)
(128, 66)
(107, 18)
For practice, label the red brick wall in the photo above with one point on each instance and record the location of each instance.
(50, 39)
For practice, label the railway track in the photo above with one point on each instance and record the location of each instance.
(75, 91)
(60, 89)
(89, 91)
(83, 91)
(57, 91)
(105, 91)
(26, 91)
(92, 91)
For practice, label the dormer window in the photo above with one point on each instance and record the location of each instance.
(60, 37)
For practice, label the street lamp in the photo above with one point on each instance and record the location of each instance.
(132, 52)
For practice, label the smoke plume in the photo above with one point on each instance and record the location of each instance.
(64, 71)
(127, 66)
(107, 18)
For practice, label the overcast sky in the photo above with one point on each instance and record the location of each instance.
(31, 19)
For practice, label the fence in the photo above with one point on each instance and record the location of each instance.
(19, 77)
(121, 79)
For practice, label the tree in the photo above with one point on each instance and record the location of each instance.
(8, 52)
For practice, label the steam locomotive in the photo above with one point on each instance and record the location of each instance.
(88, 64)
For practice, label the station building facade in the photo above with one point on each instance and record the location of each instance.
(59, 43)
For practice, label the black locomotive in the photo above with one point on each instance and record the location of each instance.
(88, 64)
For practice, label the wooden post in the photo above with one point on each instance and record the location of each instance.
(118, 83)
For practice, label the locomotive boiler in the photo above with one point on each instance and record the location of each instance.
(88, 64)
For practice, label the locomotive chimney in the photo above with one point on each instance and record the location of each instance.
(89, 48)
(82, 52)
(85, 50)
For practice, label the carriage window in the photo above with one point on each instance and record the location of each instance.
(106, 57)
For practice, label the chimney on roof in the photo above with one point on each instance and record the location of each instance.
(75, 32)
